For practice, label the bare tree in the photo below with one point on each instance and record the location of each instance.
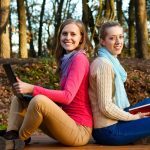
(22, 29)
(57, 20)
(131, 24)
(40, 29)
(10, 32)
(32, 52)
(85, 10)
(4, 31)
(109, 10)
(119, 11)
(141, 29)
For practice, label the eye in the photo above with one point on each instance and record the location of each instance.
(64, 33)
(73, 34)
(112, 38)
(121, 37)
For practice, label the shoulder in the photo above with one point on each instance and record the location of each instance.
(100, 64)
(81, 58)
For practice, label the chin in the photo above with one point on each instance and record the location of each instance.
(118, 52)
(68, 51)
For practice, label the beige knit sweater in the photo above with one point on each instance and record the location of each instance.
(102, 95)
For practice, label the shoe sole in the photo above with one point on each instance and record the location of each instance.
(16, 144)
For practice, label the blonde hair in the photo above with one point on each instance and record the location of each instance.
(105, 26)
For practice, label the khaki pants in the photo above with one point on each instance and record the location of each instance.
(43, 113)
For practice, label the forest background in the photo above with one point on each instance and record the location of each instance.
(28, 30)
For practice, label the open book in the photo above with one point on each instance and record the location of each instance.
(143, 109)
(12, 79)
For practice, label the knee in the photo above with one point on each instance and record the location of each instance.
(38, 101)
(15, 101)
(14, 98)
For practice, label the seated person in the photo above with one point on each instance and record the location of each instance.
(113, 124)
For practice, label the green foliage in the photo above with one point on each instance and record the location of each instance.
(135, 78)
(42, 73)
(3, 127)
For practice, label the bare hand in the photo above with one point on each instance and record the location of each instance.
(22, 87)
(143, 115)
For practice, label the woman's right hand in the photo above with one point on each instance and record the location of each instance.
(23, 87)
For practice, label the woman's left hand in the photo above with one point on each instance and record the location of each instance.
(143, 115)
(22, 87)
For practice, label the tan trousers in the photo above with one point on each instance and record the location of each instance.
(43, 113)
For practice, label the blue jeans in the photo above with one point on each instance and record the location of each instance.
(124, 132)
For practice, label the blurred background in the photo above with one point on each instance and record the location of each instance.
(28, 28)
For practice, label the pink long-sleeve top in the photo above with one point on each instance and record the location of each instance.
(74, 91)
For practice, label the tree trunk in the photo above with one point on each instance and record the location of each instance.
(88, 21)
(4, 30)
(22, 29)
(40, 29)
(32, 52)
(85, 17)
(109, 10)
(119, 11)
(141, 29)
(10, 32)
(57, 21)
(131, 29)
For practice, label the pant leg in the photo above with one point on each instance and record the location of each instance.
(45, 130)
(123, 133)
(42, 110)
(16, 114)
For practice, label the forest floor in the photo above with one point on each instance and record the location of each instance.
(137, 84)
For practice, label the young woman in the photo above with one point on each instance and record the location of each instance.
(113, 124)
(71, 122)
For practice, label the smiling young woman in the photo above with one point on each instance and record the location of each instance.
(113, 123)
(70, 122)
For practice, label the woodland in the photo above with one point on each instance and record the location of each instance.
(28, 30)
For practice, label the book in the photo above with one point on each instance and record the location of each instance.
(12, 79)
(143, 109)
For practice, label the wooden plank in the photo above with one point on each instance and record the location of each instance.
(43, 142)
(18, 60)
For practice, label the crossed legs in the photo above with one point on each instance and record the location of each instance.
(44, 113)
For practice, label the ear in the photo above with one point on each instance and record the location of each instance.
(102, 42)
(81, 40)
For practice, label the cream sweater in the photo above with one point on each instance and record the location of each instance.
(102, 95)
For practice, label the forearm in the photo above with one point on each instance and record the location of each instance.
(59, 96)
(71, 83)
(106, 95)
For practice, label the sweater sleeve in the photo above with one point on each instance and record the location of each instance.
(74, 79)
(105, 77)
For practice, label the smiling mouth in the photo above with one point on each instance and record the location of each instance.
(119, 46)
(67, 43)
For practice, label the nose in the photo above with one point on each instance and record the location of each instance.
(68, 36)
(117, 40)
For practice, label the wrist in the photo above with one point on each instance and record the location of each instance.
(31, 89)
